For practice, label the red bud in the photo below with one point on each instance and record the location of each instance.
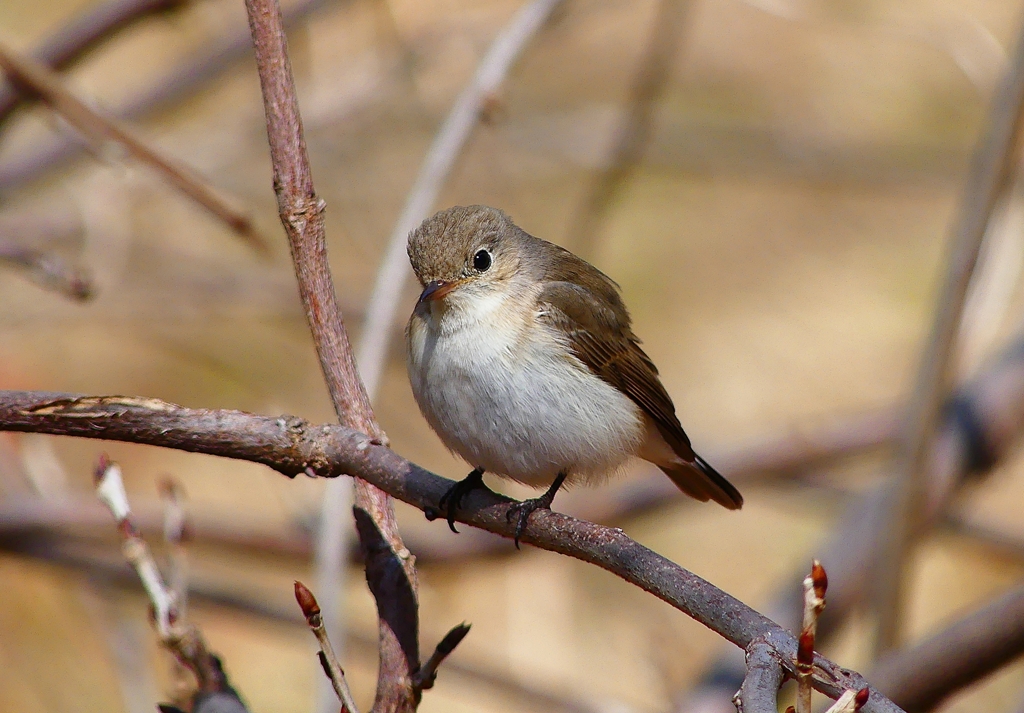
(861, 699)
(805, 651)
(307, 602)
(819, 578)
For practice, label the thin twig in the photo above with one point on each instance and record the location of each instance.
(175, 535)
(634, 133)
(990, 174)
(38, 79)
(850, 702)
(760, 690)
(815, 585)
(390, 570)
(292, 446)
(437, 165)
(83, 33)
(183, 640)
(329, 661)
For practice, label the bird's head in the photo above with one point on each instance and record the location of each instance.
(465, 252)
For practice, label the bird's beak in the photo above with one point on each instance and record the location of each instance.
(437, 290)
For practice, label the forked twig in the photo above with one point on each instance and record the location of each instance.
(35, 77)
(183, 640)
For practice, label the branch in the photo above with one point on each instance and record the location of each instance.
(760, 690)
(990, 174)
(38, 79)
(83, 33)
(292, 446)
(634, 132)
(183, 640)
(425, 677)
(921, 676)
(982, 422)
(389, 566)
(437, 165)
(212, 58)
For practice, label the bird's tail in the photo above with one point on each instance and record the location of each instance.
(699, 480)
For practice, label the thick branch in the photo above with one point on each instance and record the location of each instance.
(389, 566)
(291, 445)
(921, 676)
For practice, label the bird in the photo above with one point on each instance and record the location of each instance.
(522, 358)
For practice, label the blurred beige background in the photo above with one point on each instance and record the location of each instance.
(780, 248)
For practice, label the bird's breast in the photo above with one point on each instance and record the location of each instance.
(504, 392)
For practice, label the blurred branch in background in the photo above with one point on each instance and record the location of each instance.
(83, 33)
(924, 674)
(34, 240)
(981, 425)
(210, 62)
(48, 270)
(989, 178)
(213, 691)
(379, 323)
(634, 132)
(34, 77)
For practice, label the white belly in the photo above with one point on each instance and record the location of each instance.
(515, 406)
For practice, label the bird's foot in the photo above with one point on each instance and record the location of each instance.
(521, 511)
(451, 501)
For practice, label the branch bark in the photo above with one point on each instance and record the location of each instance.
(390, 570)
(292, 446)
(760, 690)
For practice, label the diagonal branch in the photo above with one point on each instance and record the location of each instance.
(83, 33)
(390, 570)
(36, 78)
(292, 446)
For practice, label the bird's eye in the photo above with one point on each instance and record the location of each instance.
(481, 261)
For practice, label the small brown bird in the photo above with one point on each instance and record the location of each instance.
(521, 358)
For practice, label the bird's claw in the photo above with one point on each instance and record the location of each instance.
(451, 501)
(521, 511)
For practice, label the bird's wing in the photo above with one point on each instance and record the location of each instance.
(597, 329)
